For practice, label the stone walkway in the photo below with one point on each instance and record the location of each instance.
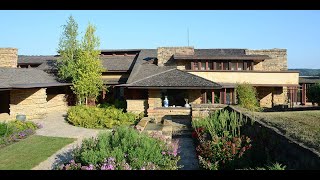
(55, 125)
(182, 132)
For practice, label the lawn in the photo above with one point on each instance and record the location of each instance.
(29, 152)
(304, 126)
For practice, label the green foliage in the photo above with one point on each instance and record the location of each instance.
(95, 117)
(120, 104)
(220, 141)
(247, 96)
(314, 93)
(126, 145)
(221, 123)
(274, 166)
(80, 62)
(5, 129)
(21, 126)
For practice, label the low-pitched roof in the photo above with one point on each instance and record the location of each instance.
(26, 78)
(174, 78)
(309, 80)
(110, 63)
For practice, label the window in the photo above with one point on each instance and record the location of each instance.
(240, 65)
(226, 65)
(210, 65)
(203, 65)
(196, 65)
(233, 65)
(188, 66)
(218, 65)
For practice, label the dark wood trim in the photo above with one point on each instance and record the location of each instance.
(214, 66)
(225, 96)
(247, 71)
(163, 87)
(252, 66)
(199, 65)
(304, 94)
(192, 65)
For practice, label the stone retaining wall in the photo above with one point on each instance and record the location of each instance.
(56, 102)
(137, 106)
(269, 142)
(31, 102)
(203, 110)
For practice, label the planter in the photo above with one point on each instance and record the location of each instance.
(21, 117)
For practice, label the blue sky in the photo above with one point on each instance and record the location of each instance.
(38, 32)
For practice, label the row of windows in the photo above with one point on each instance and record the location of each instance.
(220, 65)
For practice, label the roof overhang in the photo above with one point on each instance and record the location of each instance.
(38, 85)
(166, 87)
(243, 57)
(233, 85)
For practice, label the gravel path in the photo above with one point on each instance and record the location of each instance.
(55, 125)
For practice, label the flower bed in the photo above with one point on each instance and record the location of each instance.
(15, 130)
(124, 149)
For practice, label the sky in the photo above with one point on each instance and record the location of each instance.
(38, 32)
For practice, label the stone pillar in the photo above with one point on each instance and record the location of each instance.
(154, 99)
(30, 102)
(304, 94)
(9, 57)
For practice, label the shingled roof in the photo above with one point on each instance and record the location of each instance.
(111, 63)
(26, 78)
(174, 78)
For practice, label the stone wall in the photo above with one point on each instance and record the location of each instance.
(31, 102)
(8, 57)
(271, 96)
(278, 61)
(154, 100)
(165, 54)
(203, 110)
(271, 144)
(56, 102)
(137, 106)
(194, 96)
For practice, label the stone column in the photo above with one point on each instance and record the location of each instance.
(9, 57)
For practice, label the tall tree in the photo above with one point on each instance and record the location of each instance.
(68, 50)
(88, 82)
(79, 61)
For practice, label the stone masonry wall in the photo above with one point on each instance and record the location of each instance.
(137, 106)
(154, 100)
(56, 102)
(165, 53)
(31, 102)
(270, 96)
(278, 61)
(8, 57)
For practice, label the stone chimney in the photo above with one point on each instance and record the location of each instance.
(165, 54)
(8, 57)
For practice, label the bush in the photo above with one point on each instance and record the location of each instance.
(5, 129)
(220, 143)
(314, 93)
(124, 149)
(247, 96)
(95, 117)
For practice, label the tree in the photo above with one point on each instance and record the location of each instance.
(68, 50)
(80, 63)
(247, 96)
(314, 93)
(88, 82)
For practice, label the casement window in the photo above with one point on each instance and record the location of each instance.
(232, 65)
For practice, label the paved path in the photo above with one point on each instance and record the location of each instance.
(182, 132)
(55, 125)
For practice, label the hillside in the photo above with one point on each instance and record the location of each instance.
(308, 72)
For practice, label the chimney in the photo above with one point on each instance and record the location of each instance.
(164, 54)
(9, 57)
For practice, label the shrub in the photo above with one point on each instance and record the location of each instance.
(314, 93)
(124, 149)
(95, 117)
(247, 96)
(220, 142)
(274, 166)
(5, 129)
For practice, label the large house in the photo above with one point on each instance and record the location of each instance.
(143, 77)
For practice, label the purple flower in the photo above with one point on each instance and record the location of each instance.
(90, 167)
(143, 168)
(163, 152)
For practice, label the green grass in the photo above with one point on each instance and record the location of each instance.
(303, 126)
(29, 152)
